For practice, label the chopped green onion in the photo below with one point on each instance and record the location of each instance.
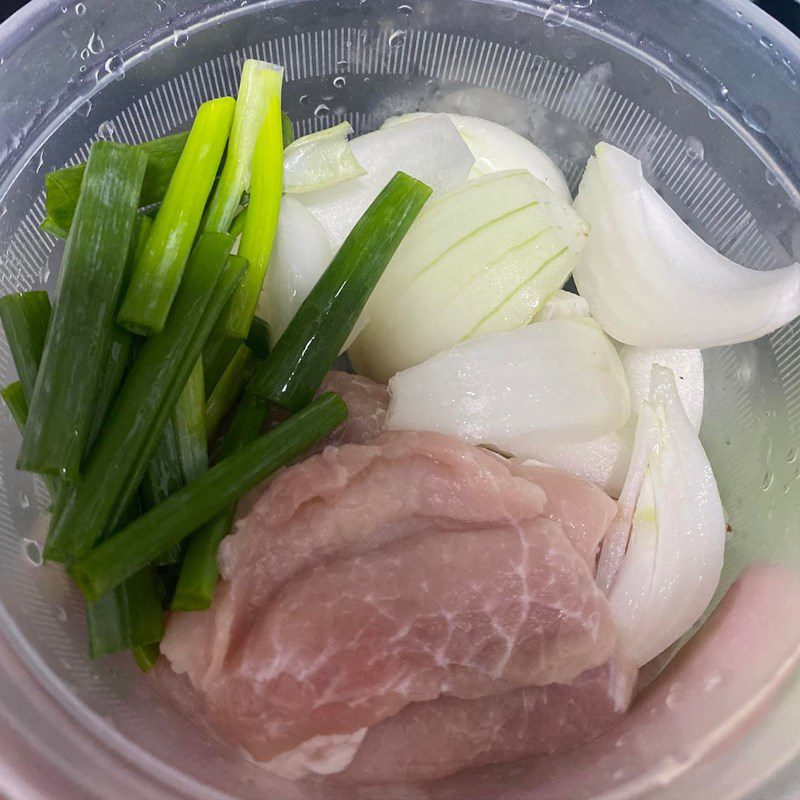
(14, 398)
(297, 364)
(199, 573)
(260, 84)
(25, 318)
(146, 656)
(129, 616)
(128, 551)
(287, 129)
(63, 186)
(228, 388)
(237, 226)
(266, 186)
(217, 354)
(258, 338)
(121, 343)
(190, 425)
(157, 274)
(148, 396)
(77, 346)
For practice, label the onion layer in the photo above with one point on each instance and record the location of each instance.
(480, 259)
(651, 281)
(561, 380)
(673, 559)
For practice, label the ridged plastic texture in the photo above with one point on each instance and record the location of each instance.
(656, 78)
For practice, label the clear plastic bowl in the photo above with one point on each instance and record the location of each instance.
(705, 92)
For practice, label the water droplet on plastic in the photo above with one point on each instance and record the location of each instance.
(116, 66)
(397, 39)
(723, 91)
(771, 177)
(80, 9)
(342, 63)
(161, 4)
(24, 500)
(757, 119)
(738, 12)
(33, 552)
(581, 3)
(85, 109)
(556, 15)
(792, 456)
(765, 41)
(40, 162)
(321, 110)
(745, 373)
(64, 9)
(180, 38)
(405, 9)
(107, 130)
(327, 97)
(61, 614)
(95, 45)
(304, 99)
(339, 81)
(694, 148)
(767, 482)
(711, 114)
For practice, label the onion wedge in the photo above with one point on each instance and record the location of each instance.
(561, 380)
(650, 281)
(673, 557)
(480, 259)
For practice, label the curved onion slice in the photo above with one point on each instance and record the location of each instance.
(480, 259)
(673, 560)
(560, 379)
(428, 149)
(497, 148)
(319, 160)
(300, 254)
(651, 281)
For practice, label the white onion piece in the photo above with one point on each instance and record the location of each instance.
(480, 259)
(652, 282)
(497, 148)
(300, 254)
(562, 305)
(674, 556)
(428, 149)
(560, 379)
(686, 364)
(605, 461)
(320, 159)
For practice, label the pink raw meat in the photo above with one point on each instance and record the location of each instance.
(367, 403)
(369, 577)
(431, 740)
(584, 510)
(705, 698)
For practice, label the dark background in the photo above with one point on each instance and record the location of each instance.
(787, 11)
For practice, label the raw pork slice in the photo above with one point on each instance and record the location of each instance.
(697, 709)
(369, 577)
(431, 740)
(367, 403)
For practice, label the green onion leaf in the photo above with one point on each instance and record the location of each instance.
(157, 274)
(140, 542)
(297, 364)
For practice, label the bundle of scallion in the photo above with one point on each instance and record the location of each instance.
(120, 400)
